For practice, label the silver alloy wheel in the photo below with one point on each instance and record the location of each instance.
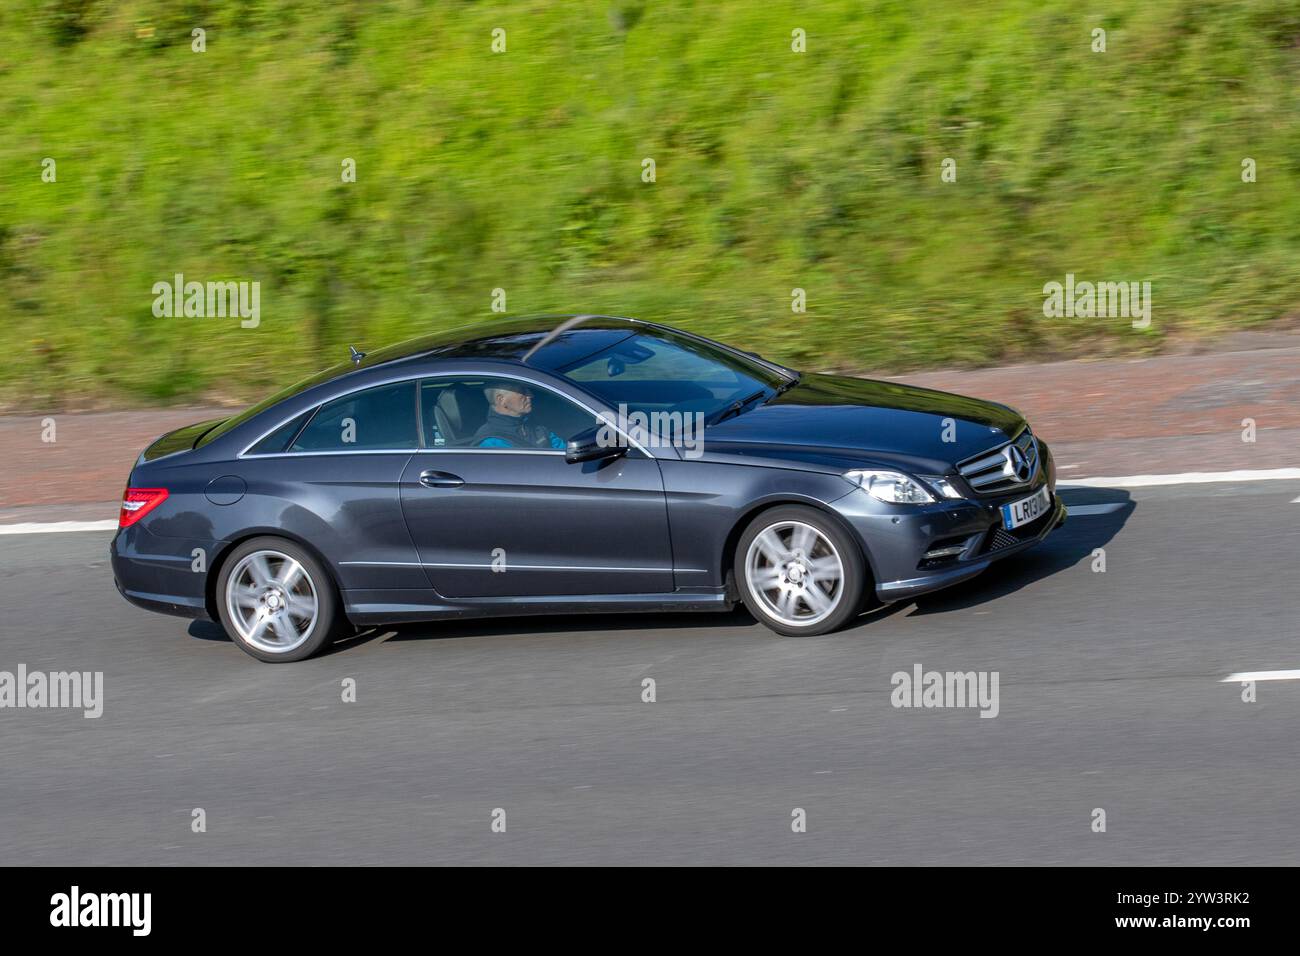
(272, 601)
(794, 572)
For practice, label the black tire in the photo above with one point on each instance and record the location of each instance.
(846, 600)
(327, 625)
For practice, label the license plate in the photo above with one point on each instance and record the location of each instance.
(1026, 509)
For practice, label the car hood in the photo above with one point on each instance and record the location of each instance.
(833, 420)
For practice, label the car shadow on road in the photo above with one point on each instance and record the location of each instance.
(562, 623)
(540, 625)
(1096, 516)
(208, 631)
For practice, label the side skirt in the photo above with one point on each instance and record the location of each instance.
(366, 607)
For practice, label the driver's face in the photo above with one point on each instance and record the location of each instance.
(515, 403)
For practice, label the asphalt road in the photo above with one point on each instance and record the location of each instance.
(1110, 697)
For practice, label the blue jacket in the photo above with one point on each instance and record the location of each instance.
(507, 431)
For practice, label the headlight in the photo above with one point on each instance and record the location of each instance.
(890, 486)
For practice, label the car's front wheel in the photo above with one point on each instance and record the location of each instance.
(276, 601)
(798, 572)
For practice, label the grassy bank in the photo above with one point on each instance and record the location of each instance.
(522, 171)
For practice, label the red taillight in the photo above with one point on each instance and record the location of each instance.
(138, 502)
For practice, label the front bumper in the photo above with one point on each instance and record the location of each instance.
(962, 570)
(896, 539)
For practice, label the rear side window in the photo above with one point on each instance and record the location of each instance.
(279, 439)
(370, 420)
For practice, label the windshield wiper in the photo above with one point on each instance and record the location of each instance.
(735, 407)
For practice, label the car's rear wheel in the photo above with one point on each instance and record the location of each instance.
(276, 601)
(799, 572)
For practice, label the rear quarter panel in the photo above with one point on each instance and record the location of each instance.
(346, 509)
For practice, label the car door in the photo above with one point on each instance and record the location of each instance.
(521, 521)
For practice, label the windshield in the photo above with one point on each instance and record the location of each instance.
(662, 372)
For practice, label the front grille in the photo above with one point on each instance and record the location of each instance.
(995, 471)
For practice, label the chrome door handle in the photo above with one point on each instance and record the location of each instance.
(440, 479)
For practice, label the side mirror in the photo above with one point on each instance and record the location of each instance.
(587, 446)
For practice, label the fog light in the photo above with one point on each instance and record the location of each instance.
(950, 552)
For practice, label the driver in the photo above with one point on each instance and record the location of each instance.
(507, 424)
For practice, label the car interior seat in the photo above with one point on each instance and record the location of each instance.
(458, 413)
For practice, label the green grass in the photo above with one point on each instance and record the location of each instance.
(522, 170)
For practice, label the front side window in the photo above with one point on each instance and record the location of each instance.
(374, 419)
(497, 413)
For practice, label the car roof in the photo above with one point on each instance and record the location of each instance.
(545, 341)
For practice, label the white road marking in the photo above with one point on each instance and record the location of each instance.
(1295, 501)
(1184, 478)
(50, 527)
(1260, 675)
(1085, 510)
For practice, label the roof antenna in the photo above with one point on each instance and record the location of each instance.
(356, 356)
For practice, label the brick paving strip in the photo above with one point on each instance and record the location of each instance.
(1160, 415)
(1154, 416)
